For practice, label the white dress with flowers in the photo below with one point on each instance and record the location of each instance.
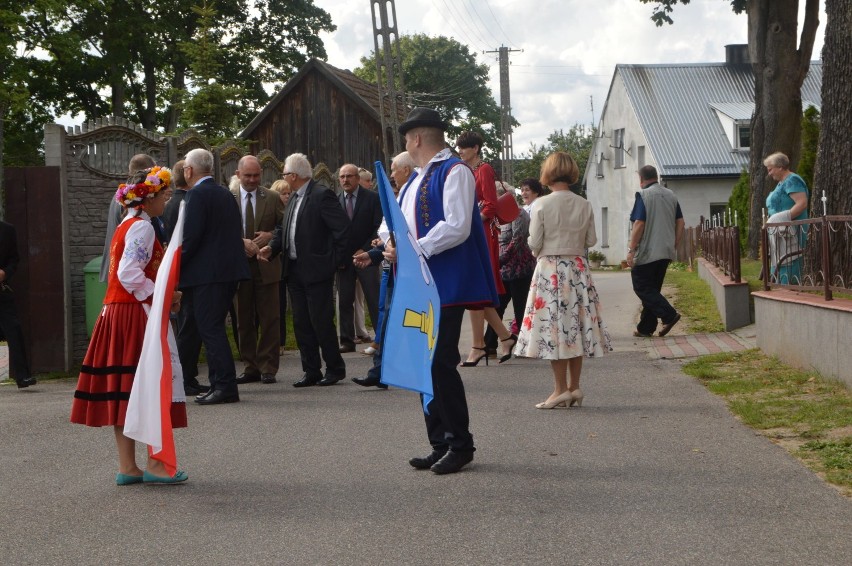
(562, 318)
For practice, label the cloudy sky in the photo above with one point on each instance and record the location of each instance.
(570, 47)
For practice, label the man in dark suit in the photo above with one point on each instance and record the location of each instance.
(10, 326)
(212, 262)
(364, 210)
(170, 215)
(257, 301)
(313, 239)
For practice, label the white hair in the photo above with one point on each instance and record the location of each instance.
(404, 159)
(298, 163)
(200, 159)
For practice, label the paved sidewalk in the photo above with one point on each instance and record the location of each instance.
(653, 469)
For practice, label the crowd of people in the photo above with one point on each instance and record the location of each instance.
(252, 251)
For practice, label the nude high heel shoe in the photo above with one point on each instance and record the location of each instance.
(576, 397)
(559, 401)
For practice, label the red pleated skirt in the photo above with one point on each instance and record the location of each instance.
(106, 378)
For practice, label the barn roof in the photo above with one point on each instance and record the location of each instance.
(361, 92)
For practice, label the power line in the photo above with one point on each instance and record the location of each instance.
(508, 40)
(474, 22)
(461, 30)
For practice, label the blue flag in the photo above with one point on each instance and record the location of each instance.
(415, 309)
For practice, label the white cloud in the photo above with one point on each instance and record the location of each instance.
(570, 48)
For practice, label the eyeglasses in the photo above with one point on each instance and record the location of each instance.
(286, 173)
(347, 176)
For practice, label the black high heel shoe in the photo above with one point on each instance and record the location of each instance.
(475, 362)
(507, 357)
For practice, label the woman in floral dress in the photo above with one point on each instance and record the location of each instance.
(562, 319)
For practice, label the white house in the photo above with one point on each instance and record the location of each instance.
(690, 121)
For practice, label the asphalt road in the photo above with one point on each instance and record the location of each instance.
(652, 469)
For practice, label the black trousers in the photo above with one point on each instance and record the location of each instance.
(11, 329)
(448, 422)
(313, 324)
(647, 284)
(204, 322)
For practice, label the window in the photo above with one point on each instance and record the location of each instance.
(640, 156)
(618, 144)
(743, 135)
(604, 227)
(718, 210)
(599, 167)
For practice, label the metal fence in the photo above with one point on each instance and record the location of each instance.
(809, 255)
(721, 247)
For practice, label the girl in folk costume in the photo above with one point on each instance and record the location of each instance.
(107, 374)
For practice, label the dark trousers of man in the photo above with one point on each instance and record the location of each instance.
(516, 292)
(313, 324)
(369, 278)
(647, 283)
(385, 296)
(10, 327)
(448, 422)
(204, 322)
(257, 305)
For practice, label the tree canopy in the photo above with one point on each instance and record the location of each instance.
(578, 141)
(443, 74)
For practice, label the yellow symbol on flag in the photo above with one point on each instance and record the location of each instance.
(424, 321)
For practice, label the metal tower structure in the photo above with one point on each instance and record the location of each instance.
(389, 77)
(507, 155)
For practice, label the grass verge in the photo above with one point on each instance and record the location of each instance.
(805, 413)
(693, 299)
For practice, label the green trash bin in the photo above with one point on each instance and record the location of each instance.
(95, 292)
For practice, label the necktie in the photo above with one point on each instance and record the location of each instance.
(249, 218)
(350, 209)
(290, 232)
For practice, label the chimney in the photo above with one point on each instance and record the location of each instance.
(737, 54)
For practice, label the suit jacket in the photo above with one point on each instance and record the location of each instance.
(366, 219)
(268, 214)
(170, 214)
(9, 257)
(213, 249)
(321, 236)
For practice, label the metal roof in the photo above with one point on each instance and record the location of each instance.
(674, 104)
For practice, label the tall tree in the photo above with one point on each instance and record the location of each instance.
(443, 74)
(780, 61)
(578, 141)
(833, 169)
(131, 49)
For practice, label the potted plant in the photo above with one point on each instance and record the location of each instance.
(596, 258)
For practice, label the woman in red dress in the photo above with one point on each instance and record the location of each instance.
(106, 377)
(469, 145)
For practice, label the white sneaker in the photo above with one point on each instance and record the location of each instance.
(369, 350)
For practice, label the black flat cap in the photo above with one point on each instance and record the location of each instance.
(421, 117)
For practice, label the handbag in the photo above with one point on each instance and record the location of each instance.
(507, 208)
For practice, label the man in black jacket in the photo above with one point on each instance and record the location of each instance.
(313, 239)
(9, 324)
(364, 210)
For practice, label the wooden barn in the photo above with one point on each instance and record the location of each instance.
(328, 114)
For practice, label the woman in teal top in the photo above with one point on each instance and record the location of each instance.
(789, 201)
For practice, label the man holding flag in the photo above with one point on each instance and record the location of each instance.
(438, 205)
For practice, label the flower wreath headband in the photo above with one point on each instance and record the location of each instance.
(156, 179)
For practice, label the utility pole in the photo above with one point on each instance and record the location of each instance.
(389, 77)
(507, 156)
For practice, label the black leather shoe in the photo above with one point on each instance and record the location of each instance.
(330, 380)
(193, 388)
(452, 462)
(369, 382)
(268, 378)
(248, 378)
(666, 328)
(22, 383)
(346, 348)
(428, 461)
(203, 394)
(306, 381)
(218, 397)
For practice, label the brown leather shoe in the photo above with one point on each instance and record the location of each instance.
(667, 327)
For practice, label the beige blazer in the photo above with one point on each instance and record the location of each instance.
(561, 223)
